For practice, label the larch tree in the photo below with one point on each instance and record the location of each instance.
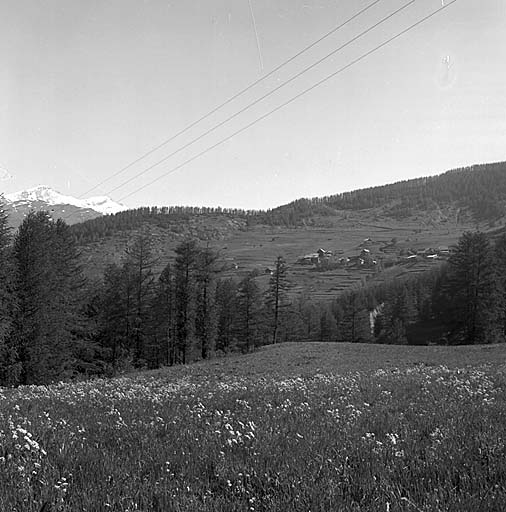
(247, 313)
(185, 296)
(355, 322)
(138, 264)
(277, 294)
(206, 318)
(226, 290)
(48, 284)
(473, 309)
(164, 316)
(500, 262)
(9, 365)
(113, 317)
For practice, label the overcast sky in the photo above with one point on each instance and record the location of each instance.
(86, 87)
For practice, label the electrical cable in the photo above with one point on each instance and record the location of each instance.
(232, 98)
(261, 98)
(291, 100)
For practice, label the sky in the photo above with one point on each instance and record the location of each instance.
(86, 88)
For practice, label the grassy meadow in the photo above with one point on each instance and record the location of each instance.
(293, 427)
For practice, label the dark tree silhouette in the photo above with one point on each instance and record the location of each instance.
(277, 294)
(248, 313)
(187, 254)
(49, 282)
(9, 366)
(472, 294)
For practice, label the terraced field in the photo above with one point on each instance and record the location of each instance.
(242, 251)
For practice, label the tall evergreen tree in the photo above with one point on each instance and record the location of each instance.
(48, 285)
(277, 294)
(500, 262)
(114, 318)
(138, 264)
(206, 318)
(327, 325)
(226, 290)
(248, 313)
(355, 323)
(397, 314)
(185, 290)
(473, 309)
(164, 316)
(9, 364)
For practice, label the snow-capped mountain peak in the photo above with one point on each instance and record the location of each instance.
(101, 204)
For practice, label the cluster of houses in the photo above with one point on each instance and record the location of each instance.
(431, 253)
(315, 258)
(366, 260)
(322, 256)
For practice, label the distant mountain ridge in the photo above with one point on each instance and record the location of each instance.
(69, 208)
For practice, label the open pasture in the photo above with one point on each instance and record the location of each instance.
(294, 427)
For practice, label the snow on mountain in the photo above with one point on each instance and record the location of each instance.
(101, 204)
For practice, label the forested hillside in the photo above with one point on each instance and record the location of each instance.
(198, 222)
(479, 190)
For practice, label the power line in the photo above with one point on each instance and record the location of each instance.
(261, 98)
(232, 98)
(314, 86)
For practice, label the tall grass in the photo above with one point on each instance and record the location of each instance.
(419, 439)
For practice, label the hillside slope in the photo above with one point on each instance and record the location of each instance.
(478, 191)
(392, 223)
(286, 360)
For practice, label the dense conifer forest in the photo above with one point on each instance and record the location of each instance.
(480, 188)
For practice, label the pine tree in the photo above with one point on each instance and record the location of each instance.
(138, 264)
(48, 283)
(9, 364)
(397, 314)
(185, 293)
(277, 294)
(69, 305)
(500, 262)
(164, 316)
(327, 324)
(337, 311)
(226, 290)
(355, 325)
(248, 313)
(473, 309)
(206, 319)
(113, 317)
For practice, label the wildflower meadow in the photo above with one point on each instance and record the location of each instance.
(413, 438)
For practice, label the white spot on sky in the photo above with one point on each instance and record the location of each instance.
(5, 175)
(447, 72)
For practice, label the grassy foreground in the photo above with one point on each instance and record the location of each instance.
(303, 427)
